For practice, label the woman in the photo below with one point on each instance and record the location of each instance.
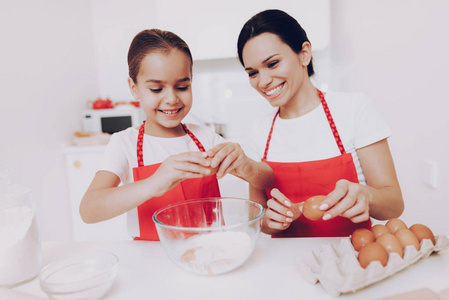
(334, 144)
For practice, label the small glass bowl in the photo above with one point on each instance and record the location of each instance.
(87, 276)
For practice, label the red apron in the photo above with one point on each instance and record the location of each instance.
(302, 180)
(205, 187)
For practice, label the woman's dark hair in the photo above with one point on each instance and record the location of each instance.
(279, 23)
(153, 40)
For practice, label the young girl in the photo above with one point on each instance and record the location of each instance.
(333, 145)
(163, 161)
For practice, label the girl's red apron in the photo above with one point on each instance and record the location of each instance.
(205, 187)
(300, 181)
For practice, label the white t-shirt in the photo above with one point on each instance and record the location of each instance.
(120, 156)
(309, 137)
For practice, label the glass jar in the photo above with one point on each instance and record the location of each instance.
(20, 248)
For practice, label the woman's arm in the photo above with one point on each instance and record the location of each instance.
(381, 198)
(258, 174)
(380, 174)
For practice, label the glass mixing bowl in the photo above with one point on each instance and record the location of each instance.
(209, 236)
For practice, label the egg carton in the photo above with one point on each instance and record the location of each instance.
(338, 270)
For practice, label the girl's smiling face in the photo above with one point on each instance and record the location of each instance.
(274, 69)
(164, 89)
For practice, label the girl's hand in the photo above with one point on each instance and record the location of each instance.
(177, 168)
(229, 157)
(348, 199)
(281, 212)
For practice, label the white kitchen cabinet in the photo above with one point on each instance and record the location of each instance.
(211, 28)
(81, 165)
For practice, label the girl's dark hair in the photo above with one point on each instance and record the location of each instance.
(153, 40)
(279, 23)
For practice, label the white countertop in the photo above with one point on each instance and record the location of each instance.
(145, 272)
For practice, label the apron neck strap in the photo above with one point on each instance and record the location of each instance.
(269, 136)
(140, 142)
(331, 123)
(194, 138)
(329, 119)
(140, 145)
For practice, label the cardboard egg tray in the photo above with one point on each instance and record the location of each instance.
(337, 269)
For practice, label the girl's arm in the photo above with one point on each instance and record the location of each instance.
(381, 198)
(104, 199)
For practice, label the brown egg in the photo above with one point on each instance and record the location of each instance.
(379, 229)
(372, 252)
(407, 237)
(395, 224)
(311, 208)
(422, 232)
(361, 237)
(390, 243)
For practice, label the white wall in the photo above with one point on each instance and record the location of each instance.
(47, 74)
(114, 24)
(397, 53)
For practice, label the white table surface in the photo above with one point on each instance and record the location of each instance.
(145, 272)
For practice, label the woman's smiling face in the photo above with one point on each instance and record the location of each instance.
(164, 90)
(274, 69)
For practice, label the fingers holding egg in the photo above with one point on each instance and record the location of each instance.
(277, 217)
(359, 218)
(277, 225)
(281, 198)
(280, 208)
(213, 170)
(358, 209)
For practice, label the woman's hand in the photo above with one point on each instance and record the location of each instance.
(177, 168)
(280, 212)
(349, 200)
(228, 157)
